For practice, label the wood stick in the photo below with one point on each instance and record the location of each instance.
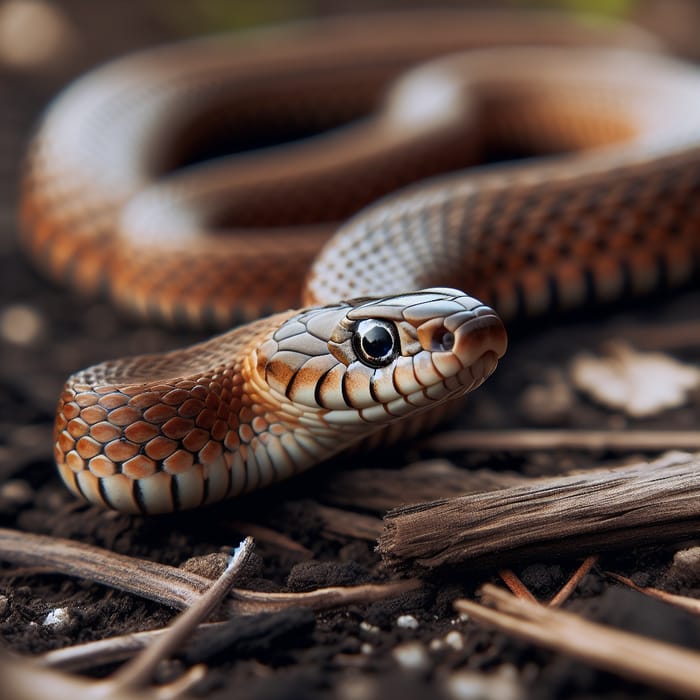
(164, 584)
(515, 585)
(272, 538)
(571, 515)
(665, 666)
(589, 440)
(139, 671)
(87, 655)
(570, 586)
(172, 586)
(239, 634)
(345, 523)
(24, 680)
(691, 605)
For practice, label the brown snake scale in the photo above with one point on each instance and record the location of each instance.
(119, 197)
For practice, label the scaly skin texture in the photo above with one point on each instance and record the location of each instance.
(107, 204)
(258, 404)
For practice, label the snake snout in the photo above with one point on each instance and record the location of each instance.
(478, 335)
(462, 334)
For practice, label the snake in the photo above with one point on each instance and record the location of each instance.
(327, 190)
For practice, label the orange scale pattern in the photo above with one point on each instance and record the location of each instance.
(141, 447)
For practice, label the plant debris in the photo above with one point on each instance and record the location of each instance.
(640, 384)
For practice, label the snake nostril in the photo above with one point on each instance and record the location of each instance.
(442, 340)
(447, 341)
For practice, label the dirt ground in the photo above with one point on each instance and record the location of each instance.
(356, 652)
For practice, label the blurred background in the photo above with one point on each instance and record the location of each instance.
(47, 332)
(44, 37)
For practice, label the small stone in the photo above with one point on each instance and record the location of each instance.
(407, 622)
(411, 656)
(367, 627)
(356, 688)
(366, 648)
(548, 403)
(469, 685)
(4, 602)
(20, 324)
(58, 617)
(436, 645)
(34, 33)
(685, 569)
(17, 491)
(454, 640)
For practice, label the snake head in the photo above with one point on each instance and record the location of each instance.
(371, 361)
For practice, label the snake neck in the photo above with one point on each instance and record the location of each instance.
(176, 430)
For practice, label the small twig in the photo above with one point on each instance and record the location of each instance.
(135, 675)
(239, 635)
(107, 651)
(570, 586)
(24, 680)
(163, 584)
(665, 666)
(692, 605)
(589, 440)
(182, 685)
(520, 590)
(138, 672)
(516, 586)
(345, 523)
(635, 504)
(171, 586)
(271, 537)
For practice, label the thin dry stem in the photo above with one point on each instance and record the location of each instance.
(182, 685)
(515, 585)
(570, 586)
(589, 440)
(24, 680)
(171, 586)
(692, 605)
(345, 523)
(139, 671)
(670, 668)
(80, 657)
(272, 538)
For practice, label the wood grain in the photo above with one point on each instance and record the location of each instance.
(570, 515)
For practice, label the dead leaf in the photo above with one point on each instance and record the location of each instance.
(640, 384)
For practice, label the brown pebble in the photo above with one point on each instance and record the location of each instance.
(685, 568)
(17, 491)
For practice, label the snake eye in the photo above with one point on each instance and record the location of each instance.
(375, 342)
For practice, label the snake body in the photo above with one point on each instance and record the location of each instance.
(377, 348)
